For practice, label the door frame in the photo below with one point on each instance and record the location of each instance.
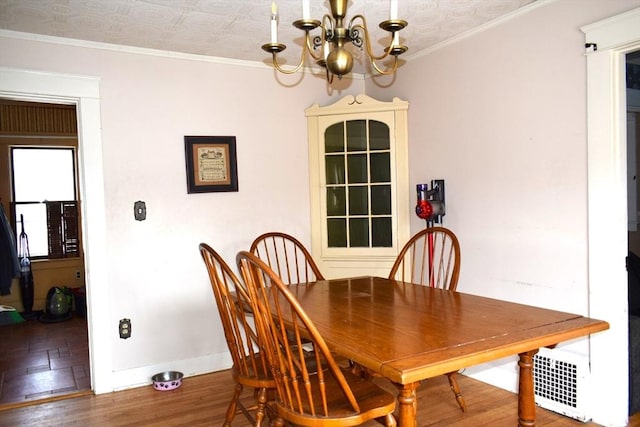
(82, 91)
(607, 211)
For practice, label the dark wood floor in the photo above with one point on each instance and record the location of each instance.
(43, 360)
(202, 401)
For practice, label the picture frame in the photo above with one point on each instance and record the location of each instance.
(211, 164)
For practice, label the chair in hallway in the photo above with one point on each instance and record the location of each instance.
(306, 396)
(250, 368)
(287, 257)
(432, 258)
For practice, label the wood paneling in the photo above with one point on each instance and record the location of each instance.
(30, 118)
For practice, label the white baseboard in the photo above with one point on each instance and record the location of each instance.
(501, 373)
(138, 377)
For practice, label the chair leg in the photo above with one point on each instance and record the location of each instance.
(231, 410)
(262, 403)
(456, 390)
(390, 421)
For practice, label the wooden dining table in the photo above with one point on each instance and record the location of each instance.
(408, 333)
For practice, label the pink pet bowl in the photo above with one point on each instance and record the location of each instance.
(165, 381)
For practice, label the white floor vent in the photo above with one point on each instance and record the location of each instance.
(560, 383)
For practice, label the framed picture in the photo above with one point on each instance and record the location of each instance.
(211, 163)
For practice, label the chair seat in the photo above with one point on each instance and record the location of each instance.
(258, 378)
(374, 402)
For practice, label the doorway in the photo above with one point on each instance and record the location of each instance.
(44, 357)
(84, 93)
(633, 262)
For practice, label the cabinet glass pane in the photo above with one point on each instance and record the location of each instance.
(359, 233)
(380, 167)
(357, 168)
(356, 135)
(334, 138)
(336, 201)
(337, 232)
(378, 135)
(358, 201)
(334, 169)
(381, 200)
(381, 232)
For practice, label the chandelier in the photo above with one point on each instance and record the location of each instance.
(328, 49)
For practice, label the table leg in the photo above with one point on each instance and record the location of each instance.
(526, 400)
(408, 405)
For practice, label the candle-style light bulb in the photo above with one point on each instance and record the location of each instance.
(393, 9)
(306, 13)
(274, 22)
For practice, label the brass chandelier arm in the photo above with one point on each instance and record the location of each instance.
(311, 49)
(291, 70)
(275, 48)
(363, 27)
(388, 70)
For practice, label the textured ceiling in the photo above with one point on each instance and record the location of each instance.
(237, 28)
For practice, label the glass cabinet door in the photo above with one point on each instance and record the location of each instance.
(357, 157)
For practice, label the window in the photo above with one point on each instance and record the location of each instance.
(44, 200)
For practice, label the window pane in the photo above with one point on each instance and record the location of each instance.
(337, 232)
(381, 200)
(358, 203)
(359, 233)
(381, 232)
(334, 138)
(334, 165)
(35, 227)
(357, 168)
(380, 167)
(378, 136)
(356, 135)
(336, 201)
(43, 174)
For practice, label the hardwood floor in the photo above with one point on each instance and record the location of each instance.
(202, 401)
(43, 361)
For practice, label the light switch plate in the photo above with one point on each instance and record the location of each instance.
(140, 210)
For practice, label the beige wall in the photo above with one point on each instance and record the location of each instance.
(501, 115)
(148, 103)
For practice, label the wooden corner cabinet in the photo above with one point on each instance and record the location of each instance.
(359, 185)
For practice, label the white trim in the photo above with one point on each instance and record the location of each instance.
(128, 49)
(607, 228)
(156, 52)
(141, 376)
(614, 32)
(84, 92)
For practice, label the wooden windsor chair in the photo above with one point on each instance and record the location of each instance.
(287, 257)
(432, 258)
(250, 367)
(306, 396)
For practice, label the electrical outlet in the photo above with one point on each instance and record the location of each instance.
(78, 276)
(124, 328)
